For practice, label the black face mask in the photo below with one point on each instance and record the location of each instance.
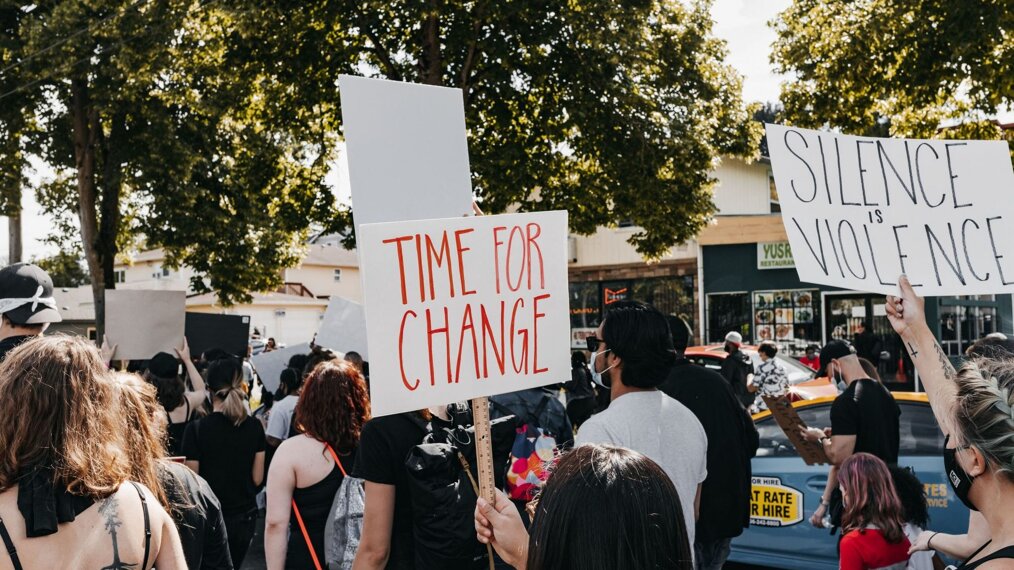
(959, 479)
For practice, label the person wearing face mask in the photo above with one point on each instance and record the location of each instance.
(737, 368)
(632, 354)
(975, 410)
(864, 418)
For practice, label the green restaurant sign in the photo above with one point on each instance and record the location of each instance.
(774, 255)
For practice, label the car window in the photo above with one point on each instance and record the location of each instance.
(920, 434)
(796, 371)
(707, 361)
(774, 443)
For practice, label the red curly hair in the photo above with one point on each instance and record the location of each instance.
(334, 405)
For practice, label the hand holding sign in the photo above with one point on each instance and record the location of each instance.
(907, 311)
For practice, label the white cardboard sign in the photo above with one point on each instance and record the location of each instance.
(142, 323)
(406, 149)
(861, 211)
(344, 327)
(269, 365)
(465, 307)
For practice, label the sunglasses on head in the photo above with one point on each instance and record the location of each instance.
(593, 343)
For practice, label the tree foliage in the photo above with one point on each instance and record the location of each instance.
(64, 268)
(610, 110)
(906, 68)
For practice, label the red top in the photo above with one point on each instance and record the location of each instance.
(869, 550)
(813, 363)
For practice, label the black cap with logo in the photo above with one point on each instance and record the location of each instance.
(832, 351)
(26, 295)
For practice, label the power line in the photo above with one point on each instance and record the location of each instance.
(59, 43)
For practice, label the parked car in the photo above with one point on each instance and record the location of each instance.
(803, 384)
(786, 491)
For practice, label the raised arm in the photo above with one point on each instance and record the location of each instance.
(200, 392)
(907, 315)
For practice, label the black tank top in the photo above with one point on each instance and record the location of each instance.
(314, 504)
(175, 431)
(1006, 552)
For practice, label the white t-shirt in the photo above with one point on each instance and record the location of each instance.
(665, 431)
(281, 417)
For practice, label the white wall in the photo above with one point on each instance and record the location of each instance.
(742, 188)
(608, 246)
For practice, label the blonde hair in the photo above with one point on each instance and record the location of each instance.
(59, 411)
(985, 410)
(225, 377)
(144, 435)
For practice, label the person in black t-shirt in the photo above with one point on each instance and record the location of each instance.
(864, 418)
(227, 449)
(384, 444)
(737, 369)
(732, 442)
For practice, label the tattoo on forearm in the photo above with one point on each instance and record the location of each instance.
(912, 350)
(108, 510)
(945, 363)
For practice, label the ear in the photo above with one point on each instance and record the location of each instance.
(979, 464)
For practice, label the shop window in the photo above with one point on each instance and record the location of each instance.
(788, 317)
(962, 325)
(728, 312)
(670, 295)
(337, 275)
(585, 308)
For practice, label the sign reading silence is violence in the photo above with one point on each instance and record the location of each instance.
(465, 307)
(861, 211)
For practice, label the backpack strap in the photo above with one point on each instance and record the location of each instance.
(336, 460)
(147, 524)
(306, 536)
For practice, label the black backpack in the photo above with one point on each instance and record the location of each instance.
(443, 477)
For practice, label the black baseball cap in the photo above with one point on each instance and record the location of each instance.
(26, 295)
(833, 350)
(164, 365)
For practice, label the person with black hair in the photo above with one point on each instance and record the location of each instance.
(181, 402)
(633, 355)
(280, 422)
(771, 379)
(581, 402)
(641, 523)
(227, 449)
(27, 306)
(732, 443)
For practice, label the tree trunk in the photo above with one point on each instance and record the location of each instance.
(431, 60)
(112, 186)
(83, 118)
(14, 245)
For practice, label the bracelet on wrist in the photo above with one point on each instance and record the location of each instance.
(929, 541)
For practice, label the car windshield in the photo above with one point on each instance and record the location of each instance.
(795, 370)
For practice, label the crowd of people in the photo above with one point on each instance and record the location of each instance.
(645, 464)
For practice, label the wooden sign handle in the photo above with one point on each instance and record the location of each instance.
(483, 449)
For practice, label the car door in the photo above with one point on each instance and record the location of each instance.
(786, 491)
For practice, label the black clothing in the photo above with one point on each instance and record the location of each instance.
(198, 517)
(226, 455)
(314, 504)
(868, 411)
(732, 442)
(580, 410)
(1003, 553)
(581, 401)
(735, 369)
(10, 343)
(43, 505)
(383, 447)
(174, 442)
(867, 346)
(12, 551)
(240, 528)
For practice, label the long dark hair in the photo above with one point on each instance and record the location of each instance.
(608, 508)
(333, 405)
(169, 391)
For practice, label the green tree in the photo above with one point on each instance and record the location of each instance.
(612, 110)
(903, 68)
(153, 137)
(64, 268)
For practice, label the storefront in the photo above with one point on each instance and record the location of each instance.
(669, 287)
(754, 289)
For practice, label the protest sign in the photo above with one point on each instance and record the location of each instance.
(269, 365)
(343, 327)
(861, 211)
(407, 151)
(143, 323)
(206, 331)
(788, 419)
(465, 307)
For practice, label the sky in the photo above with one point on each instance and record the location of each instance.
(742, 23)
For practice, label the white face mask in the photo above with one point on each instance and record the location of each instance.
(839, 379)
(596, 375)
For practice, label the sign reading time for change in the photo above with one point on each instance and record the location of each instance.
(861, 211)
(465, 307)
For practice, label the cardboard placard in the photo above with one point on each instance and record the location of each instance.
(860, 211)
(343, 327)
(142, 323)
(205, 331)
(788, 419)
(407, 151)
(465, 307)
(269, 365)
